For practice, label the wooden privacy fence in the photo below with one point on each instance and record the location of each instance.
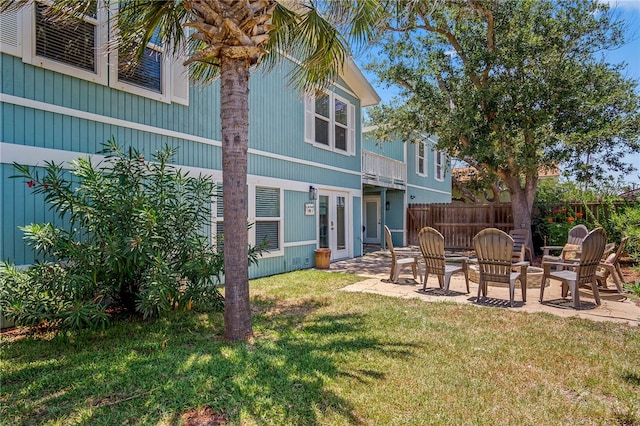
(458, 223)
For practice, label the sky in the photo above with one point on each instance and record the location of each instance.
(627, 11)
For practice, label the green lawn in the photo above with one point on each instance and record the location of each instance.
(326, 357)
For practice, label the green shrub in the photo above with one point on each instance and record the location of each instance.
(559, 206)
(626, 222)
(136, 242)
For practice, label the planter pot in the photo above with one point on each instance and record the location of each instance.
(323, 258)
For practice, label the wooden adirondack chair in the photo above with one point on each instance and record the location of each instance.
(397, 262)
(432, 247)
(574, 240)
(582, 272)
(521, 247)
(610, 267)
(494, 250)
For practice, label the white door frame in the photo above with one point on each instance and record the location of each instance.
(333, 224)
(365, 200)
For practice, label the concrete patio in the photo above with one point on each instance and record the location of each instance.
(374, 269)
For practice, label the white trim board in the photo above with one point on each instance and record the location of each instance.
(423, 188)
(300, 243)
(36, 156)
(43, 106)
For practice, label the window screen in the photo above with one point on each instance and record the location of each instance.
(146, 73)
(69, 43)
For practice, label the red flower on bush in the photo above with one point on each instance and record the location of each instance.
(579, 215)
(30, 184)
(550, 219)
(570, 219)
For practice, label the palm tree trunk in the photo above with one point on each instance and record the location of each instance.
(234, 79)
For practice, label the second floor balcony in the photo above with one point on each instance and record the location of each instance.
(383, 171)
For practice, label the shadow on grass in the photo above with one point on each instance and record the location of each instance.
(632, 378)
(149, 373)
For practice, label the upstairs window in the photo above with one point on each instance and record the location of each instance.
(145, 73)
(421, 159)
(322, 119)
(80, 48)
(330, 123)
(439, 165)
(341, 124)
(73, 47)
(71, 43)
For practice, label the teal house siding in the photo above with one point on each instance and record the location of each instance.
(395, 174)
(394, 150)
(427, 189)
(51, 114)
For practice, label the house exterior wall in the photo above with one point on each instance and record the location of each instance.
(425, 187)
(394, 150)
(51, 116)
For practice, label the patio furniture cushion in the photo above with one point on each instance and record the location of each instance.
(570, 251)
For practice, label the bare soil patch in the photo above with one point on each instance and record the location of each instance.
(203, 417)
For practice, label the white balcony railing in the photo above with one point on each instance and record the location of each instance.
(383, 171)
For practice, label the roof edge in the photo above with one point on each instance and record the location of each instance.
(352, 75)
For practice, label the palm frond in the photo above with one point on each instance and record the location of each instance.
(140, 22)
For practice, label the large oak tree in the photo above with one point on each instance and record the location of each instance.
(511, 87)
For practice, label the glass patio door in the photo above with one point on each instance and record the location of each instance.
(333, 223)
(371, 220)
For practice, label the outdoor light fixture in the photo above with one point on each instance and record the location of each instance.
(387, 206)
(313, 193)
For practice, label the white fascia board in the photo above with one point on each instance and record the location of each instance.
(352, 75)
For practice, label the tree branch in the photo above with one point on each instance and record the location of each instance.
(491, 46)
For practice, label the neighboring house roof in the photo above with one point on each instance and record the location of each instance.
(634, 194)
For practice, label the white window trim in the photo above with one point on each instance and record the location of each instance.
(310, 116)
(29, 46)
(252, 219)
(162, 96)
(438, 168)
(175, 80)
(165, 72)
(424, 173)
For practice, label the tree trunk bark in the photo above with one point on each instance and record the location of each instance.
(234, 91)
(522, 204)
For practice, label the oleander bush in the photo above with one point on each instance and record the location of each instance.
(559, 206)
(135, 242)
(626, 223)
